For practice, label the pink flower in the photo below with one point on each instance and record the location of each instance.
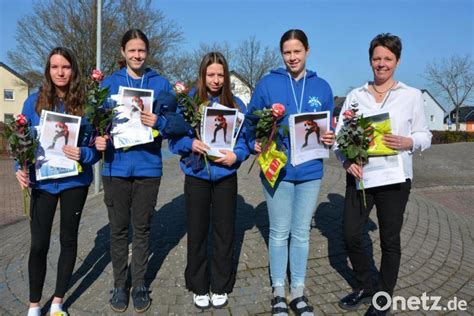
(348, 114)
(97, 75)
(21, 120)
(278, 110)
(180, 87)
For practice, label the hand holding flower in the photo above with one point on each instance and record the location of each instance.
(258, 147)
(101, 142)
(199, 147)
(72, 152)
(23, 179)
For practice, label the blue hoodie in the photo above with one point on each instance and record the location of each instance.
(89, 155)
(183, 147)
(276, 88)
(140, 160)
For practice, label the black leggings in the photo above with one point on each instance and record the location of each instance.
(42, 210)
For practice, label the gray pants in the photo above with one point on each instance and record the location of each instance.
(130, 201)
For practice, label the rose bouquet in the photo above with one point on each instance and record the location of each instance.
(99, 116)
(354, 139)
(268, 125)
(22, 145)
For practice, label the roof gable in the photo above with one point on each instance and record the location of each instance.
(435, 101)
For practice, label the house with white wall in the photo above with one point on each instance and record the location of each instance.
(14, 89)
(240, 87)
(434, 112)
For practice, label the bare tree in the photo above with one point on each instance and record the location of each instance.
(253, 61)
(452, 78)
(72, 23)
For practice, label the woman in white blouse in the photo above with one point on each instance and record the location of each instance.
(409, 133)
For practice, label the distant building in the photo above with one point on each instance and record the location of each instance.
(15, 89)
(466, 119)
(240, 87)
(434, 112)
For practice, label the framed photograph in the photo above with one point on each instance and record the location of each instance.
(306, 130)
(218, 129)
(55, 131)
(127, 128)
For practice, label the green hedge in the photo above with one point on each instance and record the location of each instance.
(446, 137)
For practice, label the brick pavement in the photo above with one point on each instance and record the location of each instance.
(437, 247)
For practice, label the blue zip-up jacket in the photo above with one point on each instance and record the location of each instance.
(183, 146)
(89, 155)
(276, 88)
(140, 160)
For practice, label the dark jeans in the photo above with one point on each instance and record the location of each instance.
(200, 195)
(130, 201)
(42, 210)
(390, 201)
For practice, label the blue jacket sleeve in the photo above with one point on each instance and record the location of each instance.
(89, 155)
(257, 102)
(180, 146)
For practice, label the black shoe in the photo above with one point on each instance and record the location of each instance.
(279, 310)
(141, 299)
(381, 302)
(355, 299)
(119, 300)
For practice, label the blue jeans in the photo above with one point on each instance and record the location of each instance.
(290, 209)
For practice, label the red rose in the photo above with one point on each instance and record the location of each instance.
(21, 120)
(348, 114)
(97, 75)
(180, 87)
(278, 110)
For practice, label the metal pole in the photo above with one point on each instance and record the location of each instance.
(98, 66)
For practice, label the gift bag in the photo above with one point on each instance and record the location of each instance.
(377, 146)
(271, 162)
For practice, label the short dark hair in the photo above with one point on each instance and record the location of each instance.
(134, 34)
(392, 42)
(294, 34)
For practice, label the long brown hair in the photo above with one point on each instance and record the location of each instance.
(225, 97)
(74, 97)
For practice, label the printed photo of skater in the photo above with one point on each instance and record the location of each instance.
(55, 131)
(218, 127)
(306, 130)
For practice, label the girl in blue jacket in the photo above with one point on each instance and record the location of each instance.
(131, 179)
(61, 92)
(211, 194)
(292, 202)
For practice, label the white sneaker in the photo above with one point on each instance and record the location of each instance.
(201, 301)
(34, 311)
(219, 300)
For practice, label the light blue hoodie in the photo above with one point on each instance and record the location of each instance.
(141, 160)
(276, 88)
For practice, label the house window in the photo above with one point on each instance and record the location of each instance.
(432, 118)
(8, 117)
(8, 95)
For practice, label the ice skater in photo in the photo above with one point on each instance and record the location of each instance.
(137, 104)
(310, 127)
(61, 130)
(221, 123)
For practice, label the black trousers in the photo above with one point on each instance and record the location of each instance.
(42, 209)
(200, 195)
(390, 201)
(130, 201)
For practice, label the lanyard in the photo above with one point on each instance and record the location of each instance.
(300, 105)
(129, 81)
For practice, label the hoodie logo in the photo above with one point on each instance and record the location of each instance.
(315, 103)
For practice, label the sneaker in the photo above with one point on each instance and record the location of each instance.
(219, 300)
(201, 301)
(141, 298)
(119, 300)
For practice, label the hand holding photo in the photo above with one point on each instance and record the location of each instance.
(306, 131)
